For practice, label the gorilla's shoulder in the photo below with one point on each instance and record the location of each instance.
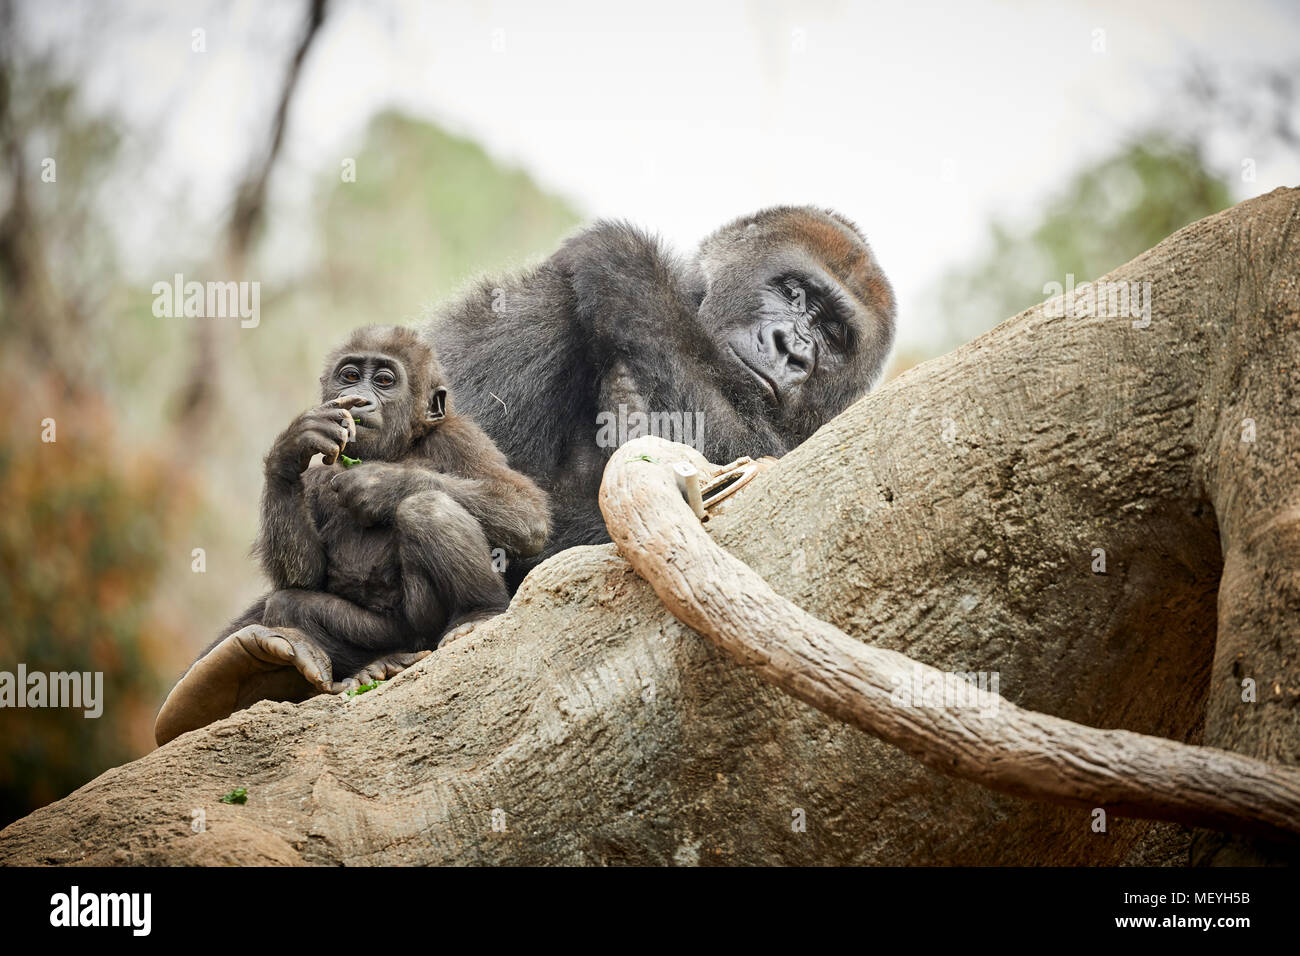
(612, 245)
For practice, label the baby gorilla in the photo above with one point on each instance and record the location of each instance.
(377, 561)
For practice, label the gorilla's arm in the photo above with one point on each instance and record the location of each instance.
(458, 460)
(447, 572)
(288, 541)
(351, 636)
(609, 319)
(637, 305)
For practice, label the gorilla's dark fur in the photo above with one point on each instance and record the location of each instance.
(375, 562)
(777, 324)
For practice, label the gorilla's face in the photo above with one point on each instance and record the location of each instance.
(383, 422)
(392, 412)
(799, 344)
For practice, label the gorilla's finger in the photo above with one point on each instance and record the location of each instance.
(342, 687)
(387, 667)
(274, 647)
(370, 673)
(350, 423)
(313, 672)
(327, 448)
(350, 401)
(400, 662)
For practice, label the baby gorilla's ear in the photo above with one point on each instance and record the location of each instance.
(437, 410)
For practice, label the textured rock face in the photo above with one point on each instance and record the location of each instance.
(614, 735)
(952, 515)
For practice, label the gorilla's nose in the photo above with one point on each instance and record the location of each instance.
(360, 412)
(790, 352)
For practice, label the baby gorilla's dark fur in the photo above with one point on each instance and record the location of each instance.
(376, 563)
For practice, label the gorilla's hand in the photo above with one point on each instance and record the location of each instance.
(324, 430)
(254, 663)
(372, 492)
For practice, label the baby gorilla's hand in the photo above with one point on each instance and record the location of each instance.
(372, 492)
(324, 430)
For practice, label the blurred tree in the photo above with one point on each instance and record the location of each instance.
(84, 532)
(427, 211)
(55, 255)
(1225, 119)
(198, 398)
(1105, 215)
(86, 521)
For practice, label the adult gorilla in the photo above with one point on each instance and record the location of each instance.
(779, 322)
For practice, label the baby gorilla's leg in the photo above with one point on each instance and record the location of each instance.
(352, 636)
(447, 571)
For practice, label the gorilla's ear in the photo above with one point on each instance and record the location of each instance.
(437, 406)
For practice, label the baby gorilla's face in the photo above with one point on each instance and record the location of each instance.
(384, 421)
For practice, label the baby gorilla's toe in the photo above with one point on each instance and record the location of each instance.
(286, 647)
(383, 668)
(465, 626)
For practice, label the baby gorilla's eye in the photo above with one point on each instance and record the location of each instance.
(349, 374)
(385, 379)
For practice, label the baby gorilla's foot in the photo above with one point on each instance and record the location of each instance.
(382, 669)
(254, 663)
(462, 626)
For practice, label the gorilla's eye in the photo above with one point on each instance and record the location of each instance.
(349, 374)
(385, 378)
(835, 332)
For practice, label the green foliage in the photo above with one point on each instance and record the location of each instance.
(1106, 214)
(427, 211)
(364, 688)
(238, 795)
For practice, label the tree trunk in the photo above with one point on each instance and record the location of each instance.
(955, 515)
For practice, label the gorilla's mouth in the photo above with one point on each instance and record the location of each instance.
(768, 385)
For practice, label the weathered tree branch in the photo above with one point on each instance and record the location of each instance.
(983, 737)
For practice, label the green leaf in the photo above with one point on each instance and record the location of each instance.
(364, 687)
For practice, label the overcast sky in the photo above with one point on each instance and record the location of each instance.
(917, 120)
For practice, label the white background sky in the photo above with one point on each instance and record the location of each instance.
(678, 115)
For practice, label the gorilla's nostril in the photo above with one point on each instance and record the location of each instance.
(791, 347)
